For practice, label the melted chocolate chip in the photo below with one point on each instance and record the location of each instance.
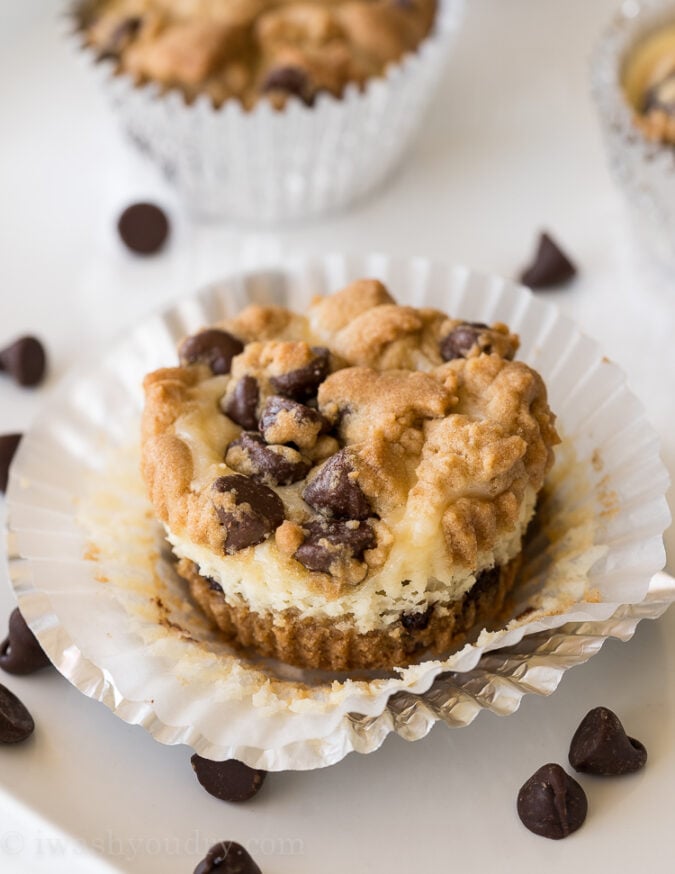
(550, 266)
(16, 723)
(417, 621)
(290, 80)
(460, 341)
(9, 443)
(273, 465)
(303, 383)
(551, 803)
(230, 780)
(335, 491)
(20, 653)
(227, 857)
(300, 413)
(327, 543)
(485, 582)
(251, 513)
(143, 228)
(242, 404)
(601, 746)
(212, 347)
(120, 38)
(25, 360)
(214, 585)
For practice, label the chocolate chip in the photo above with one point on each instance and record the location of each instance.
(328, 544)
(20, 653)
(551, 803)
(273, 465)
(460, 341)
(601, 746)
(335, 492)
(290, 80)
(9, 443)
(120, 38)
(212, 347)
(661, 97)
(143, 228)
(242, 405)
(550, 266)
(299, 414)
(417, 621)
(249, 511)
(16, 723)
(485, 582)
(230, 780)
(227, 857)
(303, 383)
(213, 585)
(25, 360)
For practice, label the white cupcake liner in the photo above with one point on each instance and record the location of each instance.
(88, 562)
(644, 169)
(268, 166)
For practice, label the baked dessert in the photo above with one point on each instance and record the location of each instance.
(348, 488)
(649, 84)
(247, 49)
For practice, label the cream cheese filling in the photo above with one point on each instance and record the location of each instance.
(416, 575)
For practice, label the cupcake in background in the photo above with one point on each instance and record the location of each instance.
(268, 110)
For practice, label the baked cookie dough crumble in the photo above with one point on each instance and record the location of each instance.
(350, 487)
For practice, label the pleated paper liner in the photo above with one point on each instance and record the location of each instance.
(96, 582)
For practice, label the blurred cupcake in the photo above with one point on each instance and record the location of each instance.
(264, 110)
(634, 87)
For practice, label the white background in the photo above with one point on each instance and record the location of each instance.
(511, 145)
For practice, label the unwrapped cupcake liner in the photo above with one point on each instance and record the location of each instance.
(96, 581)
(269, 166)
(644, 169)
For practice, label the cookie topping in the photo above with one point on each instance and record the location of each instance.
(229, 780)
(274, 465)
(289, 80)
(417, 621)
(20, 653)
(212, 347)
(330, 545)
(286, 421)
(242, 405)
(601, 746)
(25, 360)
(551, 803)
(248, 511)
(303, 383)
(334, 490)
(227, 857)
(459, 342)
(16, 723)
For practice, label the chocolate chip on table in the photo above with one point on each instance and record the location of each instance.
(25, 360)
(290, 80)
(551, 803)
(242, 405)
(249, 511)
(601, 746)
(303, 383)
(335, 492)
(21, 653)
(417, 621)
(143, 228)
(9, 443)
(273, 465)
(212, 347)
(461, 340)
(329, 542)
(230, 780)
(16, 723)
(550, 266)
(227, 857)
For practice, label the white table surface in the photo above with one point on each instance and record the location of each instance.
(511, 145)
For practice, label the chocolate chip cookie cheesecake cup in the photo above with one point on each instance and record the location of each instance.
(264, 111)
(633, 82)
(348, 488)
